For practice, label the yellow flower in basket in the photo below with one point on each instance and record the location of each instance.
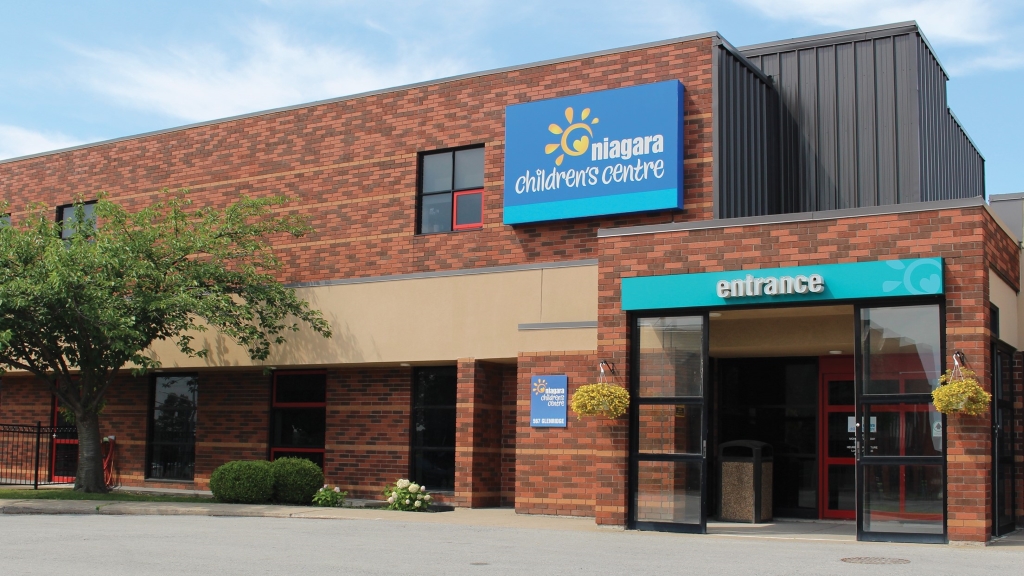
(959, 391)
(600, 400)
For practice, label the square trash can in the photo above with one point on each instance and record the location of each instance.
(745, 481)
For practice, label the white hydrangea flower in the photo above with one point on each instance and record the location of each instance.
(413, 488)
(428, 497)
(391, 500)
(394, 494)
(417, 504)
(406, 500)
(337, 489)
(403, 483)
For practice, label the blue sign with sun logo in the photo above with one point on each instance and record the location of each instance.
(548, 401)
(609, 152)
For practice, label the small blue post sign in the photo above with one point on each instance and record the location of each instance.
(608, 152)
(549, 396)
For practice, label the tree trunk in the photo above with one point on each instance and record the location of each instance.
(90, 454)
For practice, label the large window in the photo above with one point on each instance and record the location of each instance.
(433, 434)
(299, 419)
(172, 428)
(67, 218)
(451, 190)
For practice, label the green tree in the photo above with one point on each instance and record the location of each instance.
(77, 312)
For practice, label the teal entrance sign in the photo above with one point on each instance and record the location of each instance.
(882, 279)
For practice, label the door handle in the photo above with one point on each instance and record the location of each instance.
(857, 446)
(704, 449)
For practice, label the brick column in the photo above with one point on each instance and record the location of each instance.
(969, 438)
(478, 434)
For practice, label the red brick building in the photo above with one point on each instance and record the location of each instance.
(793, 160)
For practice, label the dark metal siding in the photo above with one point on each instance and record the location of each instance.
(951, 166)
(862, 121)
(747, 175)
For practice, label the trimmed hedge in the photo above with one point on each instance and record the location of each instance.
(243, 482)
(296, 480)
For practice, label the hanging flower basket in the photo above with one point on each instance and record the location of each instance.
(600, 399)
(959, 392)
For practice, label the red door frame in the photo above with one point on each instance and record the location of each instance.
(831, 368)
(54, 442)
(274, 450)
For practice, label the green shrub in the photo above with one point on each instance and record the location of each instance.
(243, 482)
(296, 480)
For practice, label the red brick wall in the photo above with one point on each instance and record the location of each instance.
(569, 471)
(368, 419)
(480, 433)
(352, 165)
(967, 239)
(24, 400)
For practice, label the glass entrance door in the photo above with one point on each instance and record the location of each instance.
(1002, 440)
(668, 440)
(900, 449)
(838, 447)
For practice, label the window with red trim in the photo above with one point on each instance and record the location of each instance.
(298, 423)
(451, 190)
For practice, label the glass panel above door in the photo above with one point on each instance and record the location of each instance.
(671, 358)
(902, 350)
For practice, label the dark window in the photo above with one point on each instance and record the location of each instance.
(433, 434)
(298, 426)
(995, 320)
(451, 192)
(66, 216)
(172, 428)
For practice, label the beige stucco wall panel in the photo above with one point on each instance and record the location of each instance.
(569, 295)
(428, 319)
(1006, 299)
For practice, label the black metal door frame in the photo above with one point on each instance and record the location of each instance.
(863, 400)
(999, 430)
(634, 427)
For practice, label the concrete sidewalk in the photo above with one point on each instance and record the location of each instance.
(491, 517)
(796, 530)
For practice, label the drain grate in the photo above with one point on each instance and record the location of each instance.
(875, 560)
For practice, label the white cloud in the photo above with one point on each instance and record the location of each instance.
(15, 141)
(204, 82)
(955, 21)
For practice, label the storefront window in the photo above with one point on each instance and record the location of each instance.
(172, 444)
(299, 416)
(433, 435)
(901, 437)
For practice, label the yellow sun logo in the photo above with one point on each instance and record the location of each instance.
(540, 386)
(576, 147)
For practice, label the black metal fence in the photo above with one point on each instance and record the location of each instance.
(37, 455)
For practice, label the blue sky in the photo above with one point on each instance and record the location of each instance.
(76, 72)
